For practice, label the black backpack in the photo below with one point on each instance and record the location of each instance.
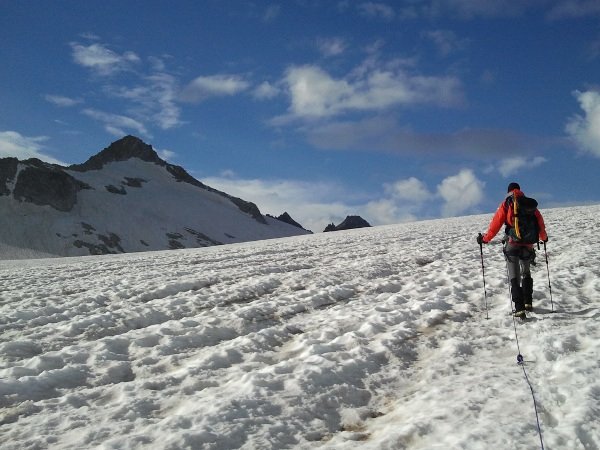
(521, 222)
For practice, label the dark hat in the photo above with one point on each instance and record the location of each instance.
(512, 186)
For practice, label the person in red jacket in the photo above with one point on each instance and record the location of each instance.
(518, 255)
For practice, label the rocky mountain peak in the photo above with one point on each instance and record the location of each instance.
(125, 148)
(285, 217)
(349, 223)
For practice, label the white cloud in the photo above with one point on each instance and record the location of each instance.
(213, 86)
(13, 144)
(116, 124)
(165, 154)
(585, 130)
(510, 166)
(61, 101)
(331, 46)
(316, 94)
(410, 189)
(376, 10)
(265, 91)
(387, 211)
(102, 60)
(409, 199)
(460, 192)
(154, 100)
(150, 97)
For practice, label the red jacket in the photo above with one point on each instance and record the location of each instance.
(499, 220)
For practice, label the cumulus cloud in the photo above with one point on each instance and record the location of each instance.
(388, 211)
(62, 101)
(315, 94)
(585, 129)
(411, 189)
(101, 60)
(205, 87)
(15, 145)
(460, 192)
(510, 166)
(407, 199)
(116, 124)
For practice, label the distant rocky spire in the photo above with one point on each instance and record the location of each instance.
(349, 223)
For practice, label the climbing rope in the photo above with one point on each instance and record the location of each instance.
(521, 362)
(537, 416)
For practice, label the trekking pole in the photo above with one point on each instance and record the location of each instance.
(483, 272)
(548, 270)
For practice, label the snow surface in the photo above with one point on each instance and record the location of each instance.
(373, 339)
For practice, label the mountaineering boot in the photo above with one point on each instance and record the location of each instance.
(528, 293)
(517, 297)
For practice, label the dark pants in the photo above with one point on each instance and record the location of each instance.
(518, 261)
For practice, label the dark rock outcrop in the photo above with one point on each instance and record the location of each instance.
(8, 171)
(108, 246)
(116, 190)
(330, 227)
(349, 223)
(46, 184)
(134, 182)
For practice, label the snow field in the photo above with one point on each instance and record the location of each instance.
(373, 338)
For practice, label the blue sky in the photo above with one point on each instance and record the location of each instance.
(394, 111)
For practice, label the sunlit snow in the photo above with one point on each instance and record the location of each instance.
(373, 339)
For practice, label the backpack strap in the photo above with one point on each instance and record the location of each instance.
(508, 209)
(511, 209)
(516, 217)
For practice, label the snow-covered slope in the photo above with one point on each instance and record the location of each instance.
(127, 200)
(373, 339)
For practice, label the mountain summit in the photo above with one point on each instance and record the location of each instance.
(125, 148)
(123, 199)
